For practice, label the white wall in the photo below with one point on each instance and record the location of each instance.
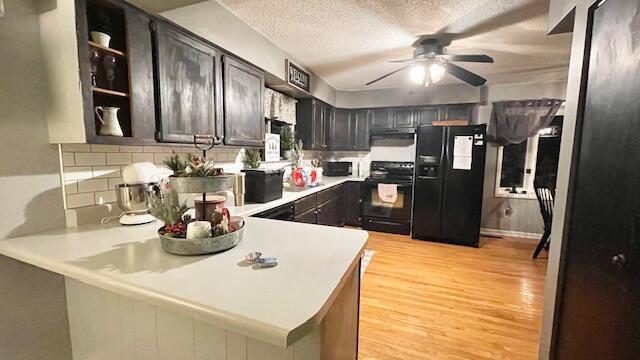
(559, 19)
(409, 96)
(29, 165)
(554, 267)
(215, 23)
(525, 216)
(33, 312)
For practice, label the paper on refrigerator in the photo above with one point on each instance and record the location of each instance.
(462, 152)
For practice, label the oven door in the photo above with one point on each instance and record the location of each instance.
(373, 206)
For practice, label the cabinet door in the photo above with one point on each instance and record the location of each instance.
(340, 201)
(140, 54)
(353, 202)
(317, 126)
(327, 120)
(188, 80)
(458, 112)
(359, 130)
(403, 118)
(381, 119)
(308, 217)
(323, 213)
(341, 130)
(427, 115)
(244, 122)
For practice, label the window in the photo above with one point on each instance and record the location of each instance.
(520, 164)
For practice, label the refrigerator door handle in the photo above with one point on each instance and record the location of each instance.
(444, 173)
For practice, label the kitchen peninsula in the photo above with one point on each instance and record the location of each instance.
(127, 298)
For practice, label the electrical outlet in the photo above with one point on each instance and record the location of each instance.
(508, 211)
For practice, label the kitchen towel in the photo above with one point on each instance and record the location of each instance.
(388, 192)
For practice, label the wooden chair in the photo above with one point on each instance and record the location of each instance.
(545, 197)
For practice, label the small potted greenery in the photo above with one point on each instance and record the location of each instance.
(261, 185)
(192, 174)
(251, 158)
(287, 142)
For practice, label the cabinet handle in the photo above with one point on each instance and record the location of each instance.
(619, 261)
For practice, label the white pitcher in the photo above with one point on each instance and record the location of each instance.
(109, 120)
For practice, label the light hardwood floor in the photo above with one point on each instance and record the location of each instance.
(425, 300)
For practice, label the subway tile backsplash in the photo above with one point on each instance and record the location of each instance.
(90, 172)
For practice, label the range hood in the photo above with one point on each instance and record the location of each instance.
(402, 133)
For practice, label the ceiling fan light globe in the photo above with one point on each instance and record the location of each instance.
(417, 74)
(436, 72)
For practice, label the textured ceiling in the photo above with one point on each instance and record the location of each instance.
(348, 42)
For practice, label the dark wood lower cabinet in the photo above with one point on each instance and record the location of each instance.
(326, 207)
(353, 203)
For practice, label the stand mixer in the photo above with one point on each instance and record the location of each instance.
(140, 180)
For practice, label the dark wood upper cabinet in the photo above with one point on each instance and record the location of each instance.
(381, 119)
(359, 130)
(317, 127)
(313, 122)
(403, 118)
(244, 123)
(131, 89)
(143, 120)
(427, 115)
(327, 120)
(458, 112)
(188, 75)
(340, 130)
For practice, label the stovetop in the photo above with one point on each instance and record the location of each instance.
(391, 171)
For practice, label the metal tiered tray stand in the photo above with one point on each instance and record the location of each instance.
(202, 185)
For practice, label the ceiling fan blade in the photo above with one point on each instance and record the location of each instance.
(387, 75)
(465, 75)
(402, 61)
(470, 58)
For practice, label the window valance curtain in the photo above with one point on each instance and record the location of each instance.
(513, 122)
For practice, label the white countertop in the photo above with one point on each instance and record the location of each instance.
(289, 196)
(277, 305)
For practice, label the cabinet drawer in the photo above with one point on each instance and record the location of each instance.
(308, 217)
(325, 195)
(306, 203)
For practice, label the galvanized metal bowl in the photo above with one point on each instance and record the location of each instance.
(195, 185)
(179, 246)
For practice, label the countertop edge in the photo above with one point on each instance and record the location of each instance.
(304, 328)
(232, 322)
(250, 328)
(294, 195)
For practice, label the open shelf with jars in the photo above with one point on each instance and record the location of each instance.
(110, 42)
(108, 69)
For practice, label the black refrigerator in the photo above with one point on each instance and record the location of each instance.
(448, 184)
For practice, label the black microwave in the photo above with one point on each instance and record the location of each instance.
(337, 168)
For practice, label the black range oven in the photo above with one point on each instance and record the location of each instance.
(385, 216)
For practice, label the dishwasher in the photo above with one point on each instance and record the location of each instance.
(283, 212)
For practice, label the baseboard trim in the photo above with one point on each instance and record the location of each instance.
(509, 233)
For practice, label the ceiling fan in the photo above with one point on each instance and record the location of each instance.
(430, 63)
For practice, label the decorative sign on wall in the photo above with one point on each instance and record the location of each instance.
(271, 147)
(296, 76)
